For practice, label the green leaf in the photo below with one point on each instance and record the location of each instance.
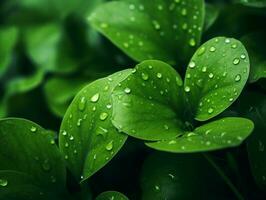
(164, 30)
(8, 38)
(212, 13)
(255, 44)
(49, 48)
(111, 195)
(256, 143)
(223, 133)
(215, 76)
(172, 177)
(88, 139)
(149, 103)
(252, 3)
(60, 92)
(29, 157)
(18, 86)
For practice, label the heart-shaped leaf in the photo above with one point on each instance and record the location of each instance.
(168, 176)
(29, 158)
(149, 103)
(8, 38)
(111, 195)
(144, 29)
(256, 143)
(255, 44)
(61, 91)
(215, 76)
(223, 133)
(88, 139)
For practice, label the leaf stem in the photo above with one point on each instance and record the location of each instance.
(224, 177)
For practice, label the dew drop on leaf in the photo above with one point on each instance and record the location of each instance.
(237, 77)
(109, 146)
(82, 104)
(103, 116)
(95, 98)
(3, 182)
(33, 129)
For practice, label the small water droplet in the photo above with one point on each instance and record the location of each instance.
(3, 182)
(103, 116)
(210, 110)
(236, 61)
(243, 56)
(127, 90)
(192, 42)
(157, 187)
(109, 146)
(227, 40)
(82, 104)
(144, 76)
(204, 69)
(201, 51)
(33, 129)
(159, 75)
(192, 64)
(187, 89)
(212, 49)
(237, 77)
(211, 75)
(95, 98)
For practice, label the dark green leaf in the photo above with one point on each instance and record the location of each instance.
(212, 13)
(61, 91)
(255, 44)
(256, 143)
(215, 76)
(8, 38)
(111, 195)
(223, 133)
(88, 139)
(252, 3)
(30, 158)
(149, 103)
(144, 29)
(184, 177)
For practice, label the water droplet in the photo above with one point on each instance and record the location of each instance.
(210, 110)
(208, 143)
(46, 165)
(166, 127)
(3, 182)
(71, 138)
(79, 122)
(103, 116)
(227, 40)
(184, 12)
(64, 133)
(204, 69)
(156, 25)
(172, 142)
(187, 89)
(237, 77)
(131, 7)
(192, 64)
(159, 75)
(109, 146)
(211, 75)
(192, 42)
(212, 49)
(127, 90)
(236, 61)
(95, 98)
(82, 104)
(234, 46)
(33, 129)
(243, 56)
(201, 51)
(144, 76)
(157, 187)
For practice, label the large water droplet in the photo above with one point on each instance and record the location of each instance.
(95, 98)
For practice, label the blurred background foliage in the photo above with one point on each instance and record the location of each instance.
(48, 52)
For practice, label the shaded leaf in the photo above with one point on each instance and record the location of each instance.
(149, 103)
(146, 29)
(88, 139)
(223, 133)
(212, 13)
(32, 159)
(111, 195)
(252, 3)
(255, 44)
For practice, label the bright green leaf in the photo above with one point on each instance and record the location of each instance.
(29, 150)
(215, 77)
(144, 29)
(60, 92)
(149, 103)
(8, 38)
(255, 44)
(109, 195)
(223, 133)
(88, 139)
